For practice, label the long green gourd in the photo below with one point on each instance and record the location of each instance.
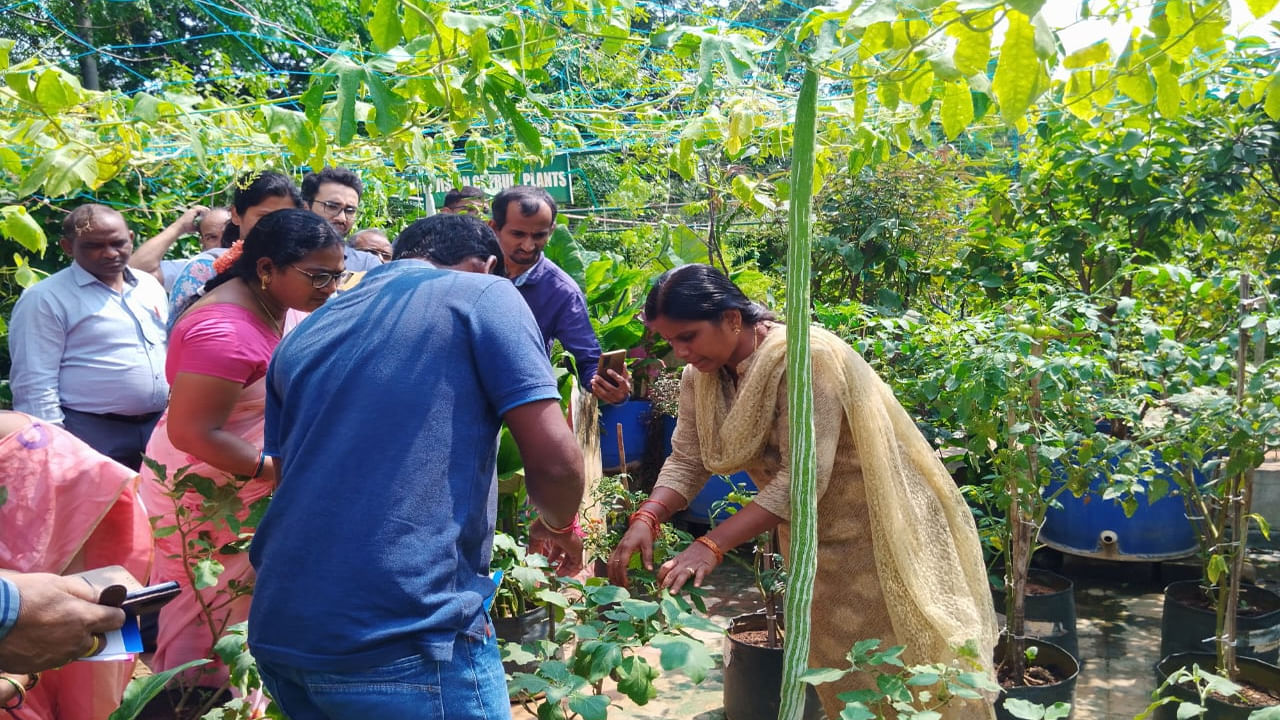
(803, 563)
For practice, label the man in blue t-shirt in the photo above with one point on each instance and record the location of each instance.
(382, 413)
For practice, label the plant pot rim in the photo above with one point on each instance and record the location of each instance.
(1042, 644)
(1186, 659)
(1174, 590)
(1055, 580)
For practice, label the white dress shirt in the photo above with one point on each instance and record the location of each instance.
(76, 342)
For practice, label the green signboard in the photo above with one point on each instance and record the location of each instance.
(554, 178)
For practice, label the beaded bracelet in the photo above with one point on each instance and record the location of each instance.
(712, 546)
(21, 690)
(560, 530)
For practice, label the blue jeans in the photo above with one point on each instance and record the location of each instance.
(471, 685)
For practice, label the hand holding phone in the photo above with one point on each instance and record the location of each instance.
(149, 600)
(615, 360)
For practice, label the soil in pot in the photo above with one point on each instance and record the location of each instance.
(1189, 621)
(753, 673)
(1050, 678)
(1259, 682)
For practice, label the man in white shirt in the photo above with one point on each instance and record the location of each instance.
(88, 342)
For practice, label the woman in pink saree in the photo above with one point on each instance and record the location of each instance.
(68, 509)
(218, 355)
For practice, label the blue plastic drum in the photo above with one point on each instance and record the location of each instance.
(716, 489)
(632, 415)
(1090, 526)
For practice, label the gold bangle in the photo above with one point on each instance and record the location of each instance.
(97, 645)
(712, 546)
(21, 693)
(562, 530)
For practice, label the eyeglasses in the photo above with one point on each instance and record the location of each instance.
(384, 254)
(322, 280)
(333, 209)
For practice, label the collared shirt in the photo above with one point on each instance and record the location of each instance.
(8, 607)
(359, 260)
(560, 308)
(76, 342)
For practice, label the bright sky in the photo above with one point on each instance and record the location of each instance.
(1075, 34)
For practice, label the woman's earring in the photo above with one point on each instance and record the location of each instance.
(737, 330)
(265, 282)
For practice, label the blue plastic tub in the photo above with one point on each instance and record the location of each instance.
(716, 489)
(1090, 526)
(632, 415)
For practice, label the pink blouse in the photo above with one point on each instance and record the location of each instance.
(222, 340)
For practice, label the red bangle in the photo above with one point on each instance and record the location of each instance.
(660, 504)
(648, 517)
(712, 546)
(561, 530)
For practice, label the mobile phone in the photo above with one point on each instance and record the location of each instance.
(615, 360)
(149, 600)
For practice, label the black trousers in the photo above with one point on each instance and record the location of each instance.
(119, 437)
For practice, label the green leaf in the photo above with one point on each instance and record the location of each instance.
(1168, 93)
(1015, 82)
(1260, 7)
(1217, 568)
(349, 76)
(973, 48)
(1098, 53)
(206, 573)
(684, 654)
(1023, 709)
(635, 679)
(70, 170)
(957, 108)
(857, 711)
(388, 106)
(590, 707)
(142, 690)
(1272, 102)
(470, 24)
(57, 90)
(19, 226)
(384, 27)
(1137, 85)
(1188, 710)
(819, 676)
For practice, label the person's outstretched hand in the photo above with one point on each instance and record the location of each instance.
(562, 550)
(637, 539)
(57, 619)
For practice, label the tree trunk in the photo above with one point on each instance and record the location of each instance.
(89, 60)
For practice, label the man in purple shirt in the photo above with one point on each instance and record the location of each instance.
(524, 217)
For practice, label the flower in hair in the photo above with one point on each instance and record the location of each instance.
(228, 258)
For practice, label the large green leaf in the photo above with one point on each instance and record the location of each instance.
(1168, 93)
(684, 654)
(349, 77)
(1272, 102)
(19, 226)
(957, 108)
(635, 679)
(141, 690)
(388, 105)
(1015, 82)
(71, 169)
(384, 27)
(1260, 7)
(973, 47)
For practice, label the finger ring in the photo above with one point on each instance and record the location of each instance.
(691, 571)
(97, 645)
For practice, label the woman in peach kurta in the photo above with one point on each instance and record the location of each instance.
(68, 509)
(898, 557)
